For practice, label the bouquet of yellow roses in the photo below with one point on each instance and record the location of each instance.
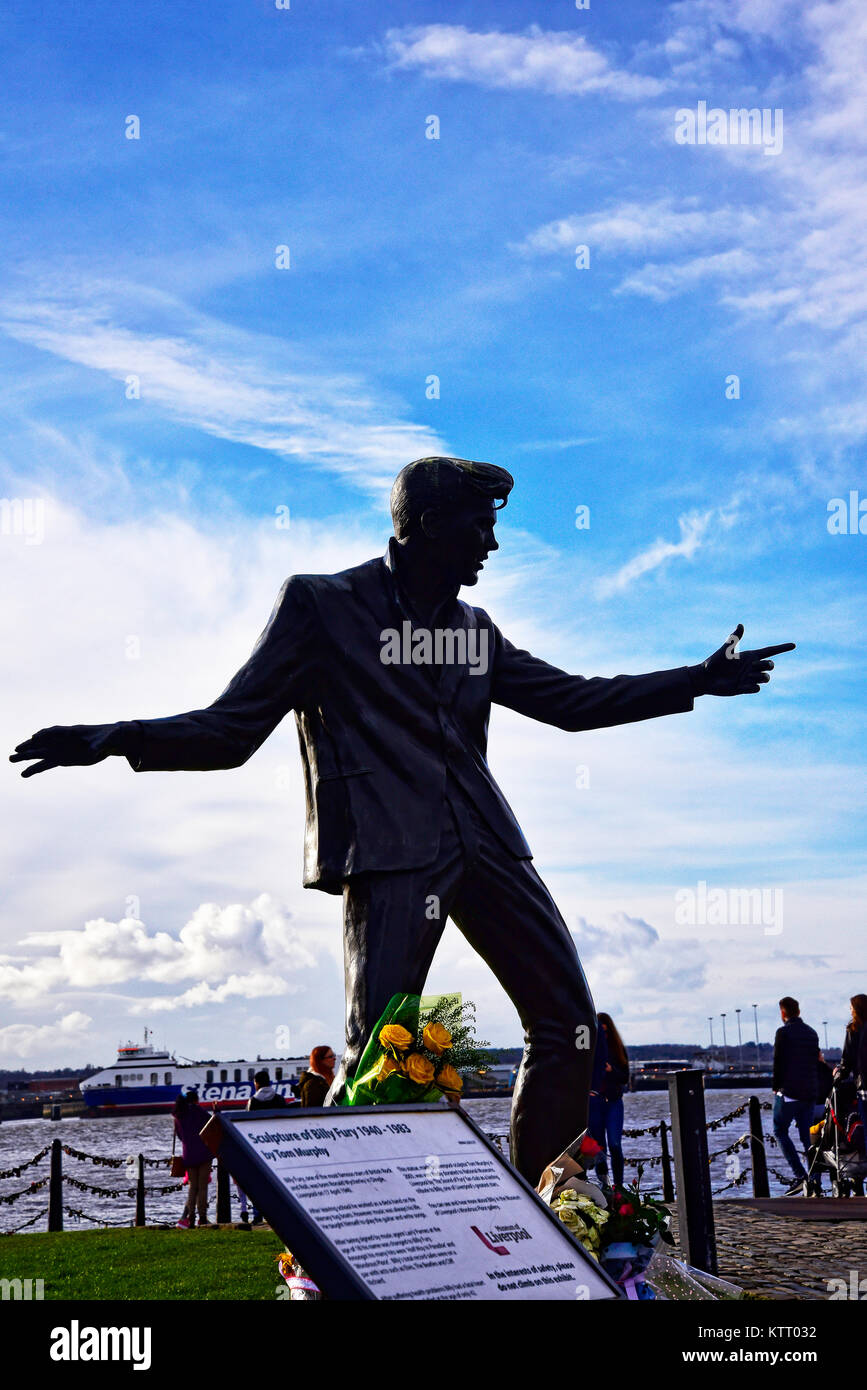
(406, 1059)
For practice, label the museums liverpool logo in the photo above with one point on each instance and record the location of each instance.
(495, 1239)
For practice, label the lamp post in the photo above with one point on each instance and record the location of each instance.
(756, 1022)
(825, 1026)
(710, 1025)
(725, 1044)
(740, 1043)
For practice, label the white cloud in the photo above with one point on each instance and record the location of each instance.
(26, 1039)
(253, 985)
(623, 954)
(631, 226)
(692, 532)
(230, 384)
(559, 63)
(660, 282)
(217, 948)
(785, 244)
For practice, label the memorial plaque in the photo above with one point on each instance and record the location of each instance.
(404, 1202)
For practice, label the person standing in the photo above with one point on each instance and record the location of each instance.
(853, 1062)
(315, 1083)
(848, 1065)
(861, 1080)
(796, 1057)
(610, 1078)
(266, 1096)
(190, 1119)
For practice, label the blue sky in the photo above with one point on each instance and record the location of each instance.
(305, 388)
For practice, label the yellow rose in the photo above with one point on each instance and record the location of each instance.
(386, 1067)
(436, 1038)
(419, 1069)
(449, 1080)
(392, 1035)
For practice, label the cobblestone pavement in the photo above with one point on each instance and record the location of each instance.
(777, 1257)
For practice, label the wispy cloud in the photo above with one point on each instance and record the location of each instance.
(552, 61)
(693, 529)
(629, 226)
(661, 282)
(230, 384)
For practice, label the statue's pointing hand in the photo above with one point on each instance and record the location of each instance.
(730, 672)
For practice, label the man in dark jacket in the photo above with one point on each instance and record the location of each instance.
(392, 678)
(795, 1082)
(266, 1096)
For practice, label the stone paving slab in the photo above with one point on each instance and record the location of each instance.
(775, 1257)
(806, 1209)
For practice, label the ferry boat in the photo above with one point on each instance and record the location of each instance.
(145, 1080)
(653, 1074)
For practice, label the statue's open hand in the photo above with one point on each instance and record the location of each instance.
(730, 672)
(65, 745)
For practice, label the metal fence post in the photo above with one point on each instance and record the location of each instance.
(55, 1188)
(757, 1150)
(224, 1198)
(139, 1192)
(695, 1223)
(667, 1184)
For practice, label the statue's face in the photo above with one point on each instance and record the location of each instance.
(464, 539)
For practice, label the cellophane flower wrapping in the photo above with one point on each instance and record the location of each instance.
(583, 1217)
(379, 1078)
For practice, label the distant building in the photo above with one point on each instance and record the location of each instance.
(66, 1086)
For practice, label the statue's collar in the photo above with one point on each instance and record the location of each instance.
(393, 565)
(390, 556)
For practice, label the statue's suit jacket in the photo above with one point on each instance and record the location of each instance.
(377, 740)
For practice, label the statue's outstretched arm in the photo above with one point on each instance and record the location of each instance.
(544, 692)
(276, 677)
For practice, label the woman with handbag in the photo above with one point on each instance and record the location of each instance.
(190, 1119)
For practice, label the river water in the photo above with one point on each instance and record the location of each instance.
(151, 1135)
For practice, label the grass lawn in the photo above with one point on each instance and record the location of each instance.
(218, 1263)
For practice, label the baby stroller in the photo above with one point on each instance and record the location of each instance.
(839, 1144)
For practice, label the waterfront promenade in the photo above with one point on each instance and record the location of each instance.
(775, 1248)
(784, 1256)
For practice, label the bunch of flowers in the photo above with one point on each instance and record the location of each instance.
(413, 1056)
(619, 1226)
(636, 1218)
(584, 1218)
(421, 1060)
(301, 1287)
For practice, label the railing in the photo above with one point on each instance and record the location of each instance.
(684, 1161)
(683, 1155)
(56, 1177)
(754, 1138)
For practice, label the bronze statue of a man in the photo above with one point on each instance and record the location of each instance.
(391, 677)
